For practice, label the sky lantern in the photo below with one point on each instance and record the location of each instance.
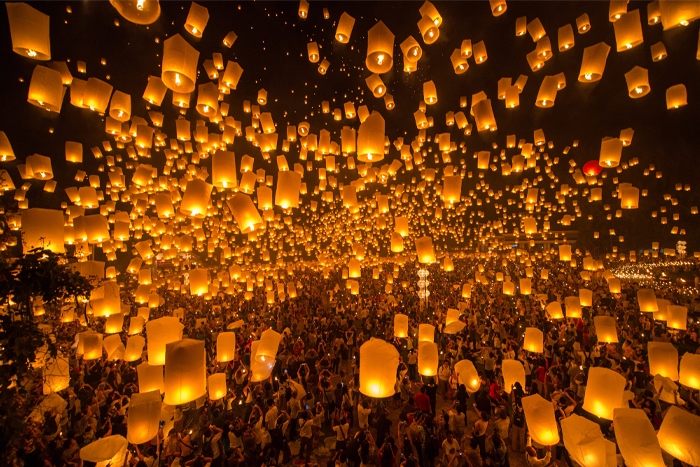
(610, 152)
(45, 88)
(541, 423)
(565, 38)
(378, 363)
(344, 28)
(428, 30)
(197, 19)
(628, 31)
(498, 7)
(400, 325)
(370, 139)
(636, 438)
(679, 435)
(534, 340)
(676, 96)
(380, 47)
(513, 372)
(185, 371)
(429, 93)
(637, 82)
(56, 374)
(663, 360)
(143, 417)
(160, 332)
(689, 373)
(138, 11)
(29, 29)
(179, 66)
(303, 9)
(593, 63)
(605, 329)
(584, 441)
(604, 392)
(216, 386)
(428, 358)
(467, 375)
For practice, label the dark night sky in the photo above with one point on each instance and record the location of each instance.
(271, 48)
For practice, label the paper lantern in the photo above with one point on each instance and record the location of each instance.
(427, 358)
(467, 290)
(513, 372)
(593, 64)
(637, 82)
(378, 363)
(216, 384)
(288, 188)
(604, 392)
(370, 139)
(196, 199)
(380, 46)
(400, 325)
(226, 346)
(6, 152)
(138, 12)
(573, 307)
(106, 451)
(679, 435)
(508, 288)
(269, 345)
(244, 212)
(452, 316)
(199, 281)
(628, 31)
(534, 340)
(554, 310)
(689, 374)
(42, 228)
(565, 37)
(45, 88)
(498, 7)
(92, 345)
(674, 14)
(541, 423)
(564, 252)
(663, 360)
(143, 417)
(525, 286)
(468, 376)
(134, 347)
(676, 96)
(614, 285)
(426, 333)
(637, 439)
(197, 19)
(56, 373)
(344, 28)
(605, 329)
(647, 300)
(114, 323)
(303, 9)
(424, 250)
(29, 29)
(584, 441)
(185, 371)
(150, 377)
(677, 317)
(161, 332)
(585, 297)
(179, 67)
(459, 62)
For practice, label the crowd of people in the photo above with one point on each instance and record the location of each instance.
(310, 410)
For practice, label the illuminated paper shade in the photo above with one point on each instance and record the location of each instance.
(573, 307)
(647, 300)
(56, 374)
(161, 332)
(114, 347)
(114, 324)
(614, 285)
(427, 358)
(134, 348)
(604, 392)
(217, 386)
(185, 371)
(42, 228)
(554, 310)
(468, 376)
(136, 325)
(467, 290)
(29, 29)
(541, 424)
(400, 325)
(260, 369)
(637, 439)
(564, 252)
(679, 435)
(144, 417)
(244, 212)
(585, 297)
(144, 12)
(199, 282)
(150, 377)
(92, 345)
(179, 65)
(663, 360)
(426, 333)
(110, 450)
(378, 363)
(584, 441)
(452, 316)
(677, 317)
(196, 199)
(513, 372)
(226, 346)
(534, 340)
(269, 345)
(606, 329)
(689, 374)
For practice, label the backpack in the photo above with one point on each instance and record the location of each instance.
(207, 450)
(518, 416)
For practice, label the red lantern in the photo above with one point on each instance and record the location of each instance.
(592, 168)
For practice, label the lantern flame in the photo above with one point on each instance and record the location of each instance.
(31, 53)
(139, 4)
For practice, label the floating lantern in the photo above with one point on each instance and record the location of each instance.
(468, 376)
(185, 371)
(593, 64)
(428, 358)
(161, 332)
(541, 423)
(534, 340)
(513, 372)
(380, 46)
(605, 329)
(144, 416)
(179, 64)
(378, 363)
(604, 392)
(636, 438)
(29, 29)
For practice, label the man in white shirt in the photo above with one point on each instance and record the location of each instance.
(532, 460)
(444, 376)
(363, 415)
(305, 435)
(450, 448)
(271, 415)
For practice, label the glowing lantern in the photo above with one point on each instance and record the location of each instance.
(144, 417)
(628, 31)
(138, 12)
(428, 30)
(585, 297)
(225, 346)
(185, 371)
(426, 333)
(564, 252)
(29, 29)
(604, 392)
(573, 307)
(525, 286)
(677, 317)
(593, 64)
(400, 325)
(196, 199)
(605, 329)
(424, 250)
(288, 188)
(679, 435)
(45, 87)
(114, 324)
(466, 290)
(541, 423)
(197, 19)
(498, 7)
(584, 441)
(637, 82)
(427, 358)
(378, 363)
(636, 438)
(150, 377)
(663, 360)
(676, 96)
(56, 374)
(674, 14)
(647, 300)
(344, 29)
(370, 139)
(161, 332)
(43, 228)
(179, 64)
(554, 310)
(689, 374)
(380, 46)
(303, 9)
(92, 345)
(468, 376)
(513, 372)
(565, 37)
(244, 212)
(429, 93)
(534, 340)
